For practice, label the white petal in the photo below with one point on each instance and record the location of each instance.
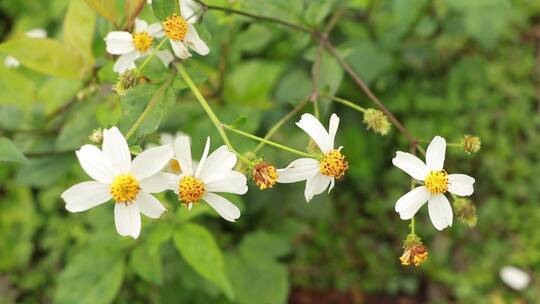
(36, 33)
(119, 43)
(332, 128)
(316, 185)
(189, 9)
(316, 131)
(166, 138)
(126, 62)
(195, 42)
(115, 147)
(149, 205)
(203, 157)
(165, 56)
(11, 62)
(180, 50)
(217, 164)
(332, 183)
(158, 182)
(299, 170)
(127, 219)
(223, 206)
(233, 182)
(151, 161)
(411, 164)
(410, 203)
(140, 25)
(182, 152)
(96, 164)
(460, 184)
(86, 195)
(515, 278)
(440, 211)
(435, 154)
(155, 30)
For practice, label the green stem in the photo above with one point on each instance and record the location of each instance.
(268, 142)
(413, 226)
(204, 104)
(346, 102)
(151, 104)
(145, 62)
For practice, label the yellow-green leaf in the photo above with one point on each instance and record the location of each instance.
(79, 27)
(106, 8)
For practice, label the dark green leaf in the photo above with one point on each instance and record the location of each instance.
(9, 152)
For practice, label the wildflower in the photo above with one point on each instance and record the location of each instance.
(264, 174)
(168, 139)
(182, 33)
(436, 182)
(116, 176)
(134, 46)
(471, 144)
(377, 121)
(414, 251)
(37, 33)
(515, 278)
(466, 212)
(214, 173)
(319, 174)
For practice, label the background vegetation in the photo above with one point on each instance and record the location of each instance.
(442, 67)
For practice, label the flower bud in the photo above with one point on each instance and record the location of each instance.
(377, 121)
(126, 81)
(471, 144)
(414, 252)
(466, 212)
(97, 136)
(264, 175)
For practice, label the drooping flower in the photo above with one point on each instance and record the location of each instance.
(319, 174)
(131, 47)
(214, 174)
(435, 181)
(414, 251)
(37, 33)
(182, 33)
(129, 183)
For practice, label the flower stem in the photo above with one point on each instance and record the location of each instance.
(412, 225)
(268, 142)
(145, 62)
(346, 102)
(204, 104)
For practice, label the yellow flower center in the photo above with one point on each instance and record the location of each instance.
(142, 41)
(175, 27)
(175, 166)
(265, 175)
(414, 255)
(334, 164)
(124, 188)
(190, 190)
(437, 182)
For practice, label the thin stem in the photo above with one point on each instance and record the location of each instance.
(151, 104)
(268, 142)
(145, 62)
(280, 123)
(413, 223)
(204, 104)
(346, 102)
(315, 77)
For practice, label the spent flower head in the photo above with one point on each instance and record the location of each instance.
(466, 212)
(471, 144)
(377, 121)
(264, 174)
(414, 251)
(97, 136)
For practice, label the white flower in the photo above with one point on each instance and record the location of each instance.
(168, 139)
(436, 182)
(514, 277)
(318, 174)
(182, 33)
(214, 173)
(134, 46)
(128, 182)
(190, 10)
(37, 33)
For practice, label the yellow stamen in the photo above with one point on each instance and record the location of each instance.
(142, 41)
(334, 164)
(175, 166)
(437, 182)
(265, 175)
(124, 188)
(190, 190)
(175, 27)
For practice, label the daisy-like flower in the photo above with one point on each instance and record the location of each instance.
(37, 33)
(214, 173)
(436, 182)
(131, 47)
(129, 183)
(319, 174)
(182, 33)
(168, 139)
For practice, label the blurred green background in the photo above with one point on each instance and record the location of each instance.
(444, 68)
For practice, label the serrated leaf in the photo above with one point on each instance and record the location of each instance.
(9, 152)
(164, 8)
(200, 250)
(79, 27)
(106, 8)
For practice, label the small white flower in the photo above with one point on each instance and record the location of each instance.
(37, 33)
(128, 182)
(318, 174)
(168, 139)
(190, 10)
(182, 33)
(214, 173)
(515, 278)
(134, 46)
(436, 182)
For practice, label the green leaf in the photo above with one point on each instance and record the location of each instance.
(255, 38)
(33, 173)
(91, 277)
(369, 61)
(16, 88)
(9, 152)
(237, 123)
(47, 56)
(77, 128)
(55, 92)
(147, 263)
(164, 8)
(264, 245)
(106, 8)
(198, 247)
(79, 27)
